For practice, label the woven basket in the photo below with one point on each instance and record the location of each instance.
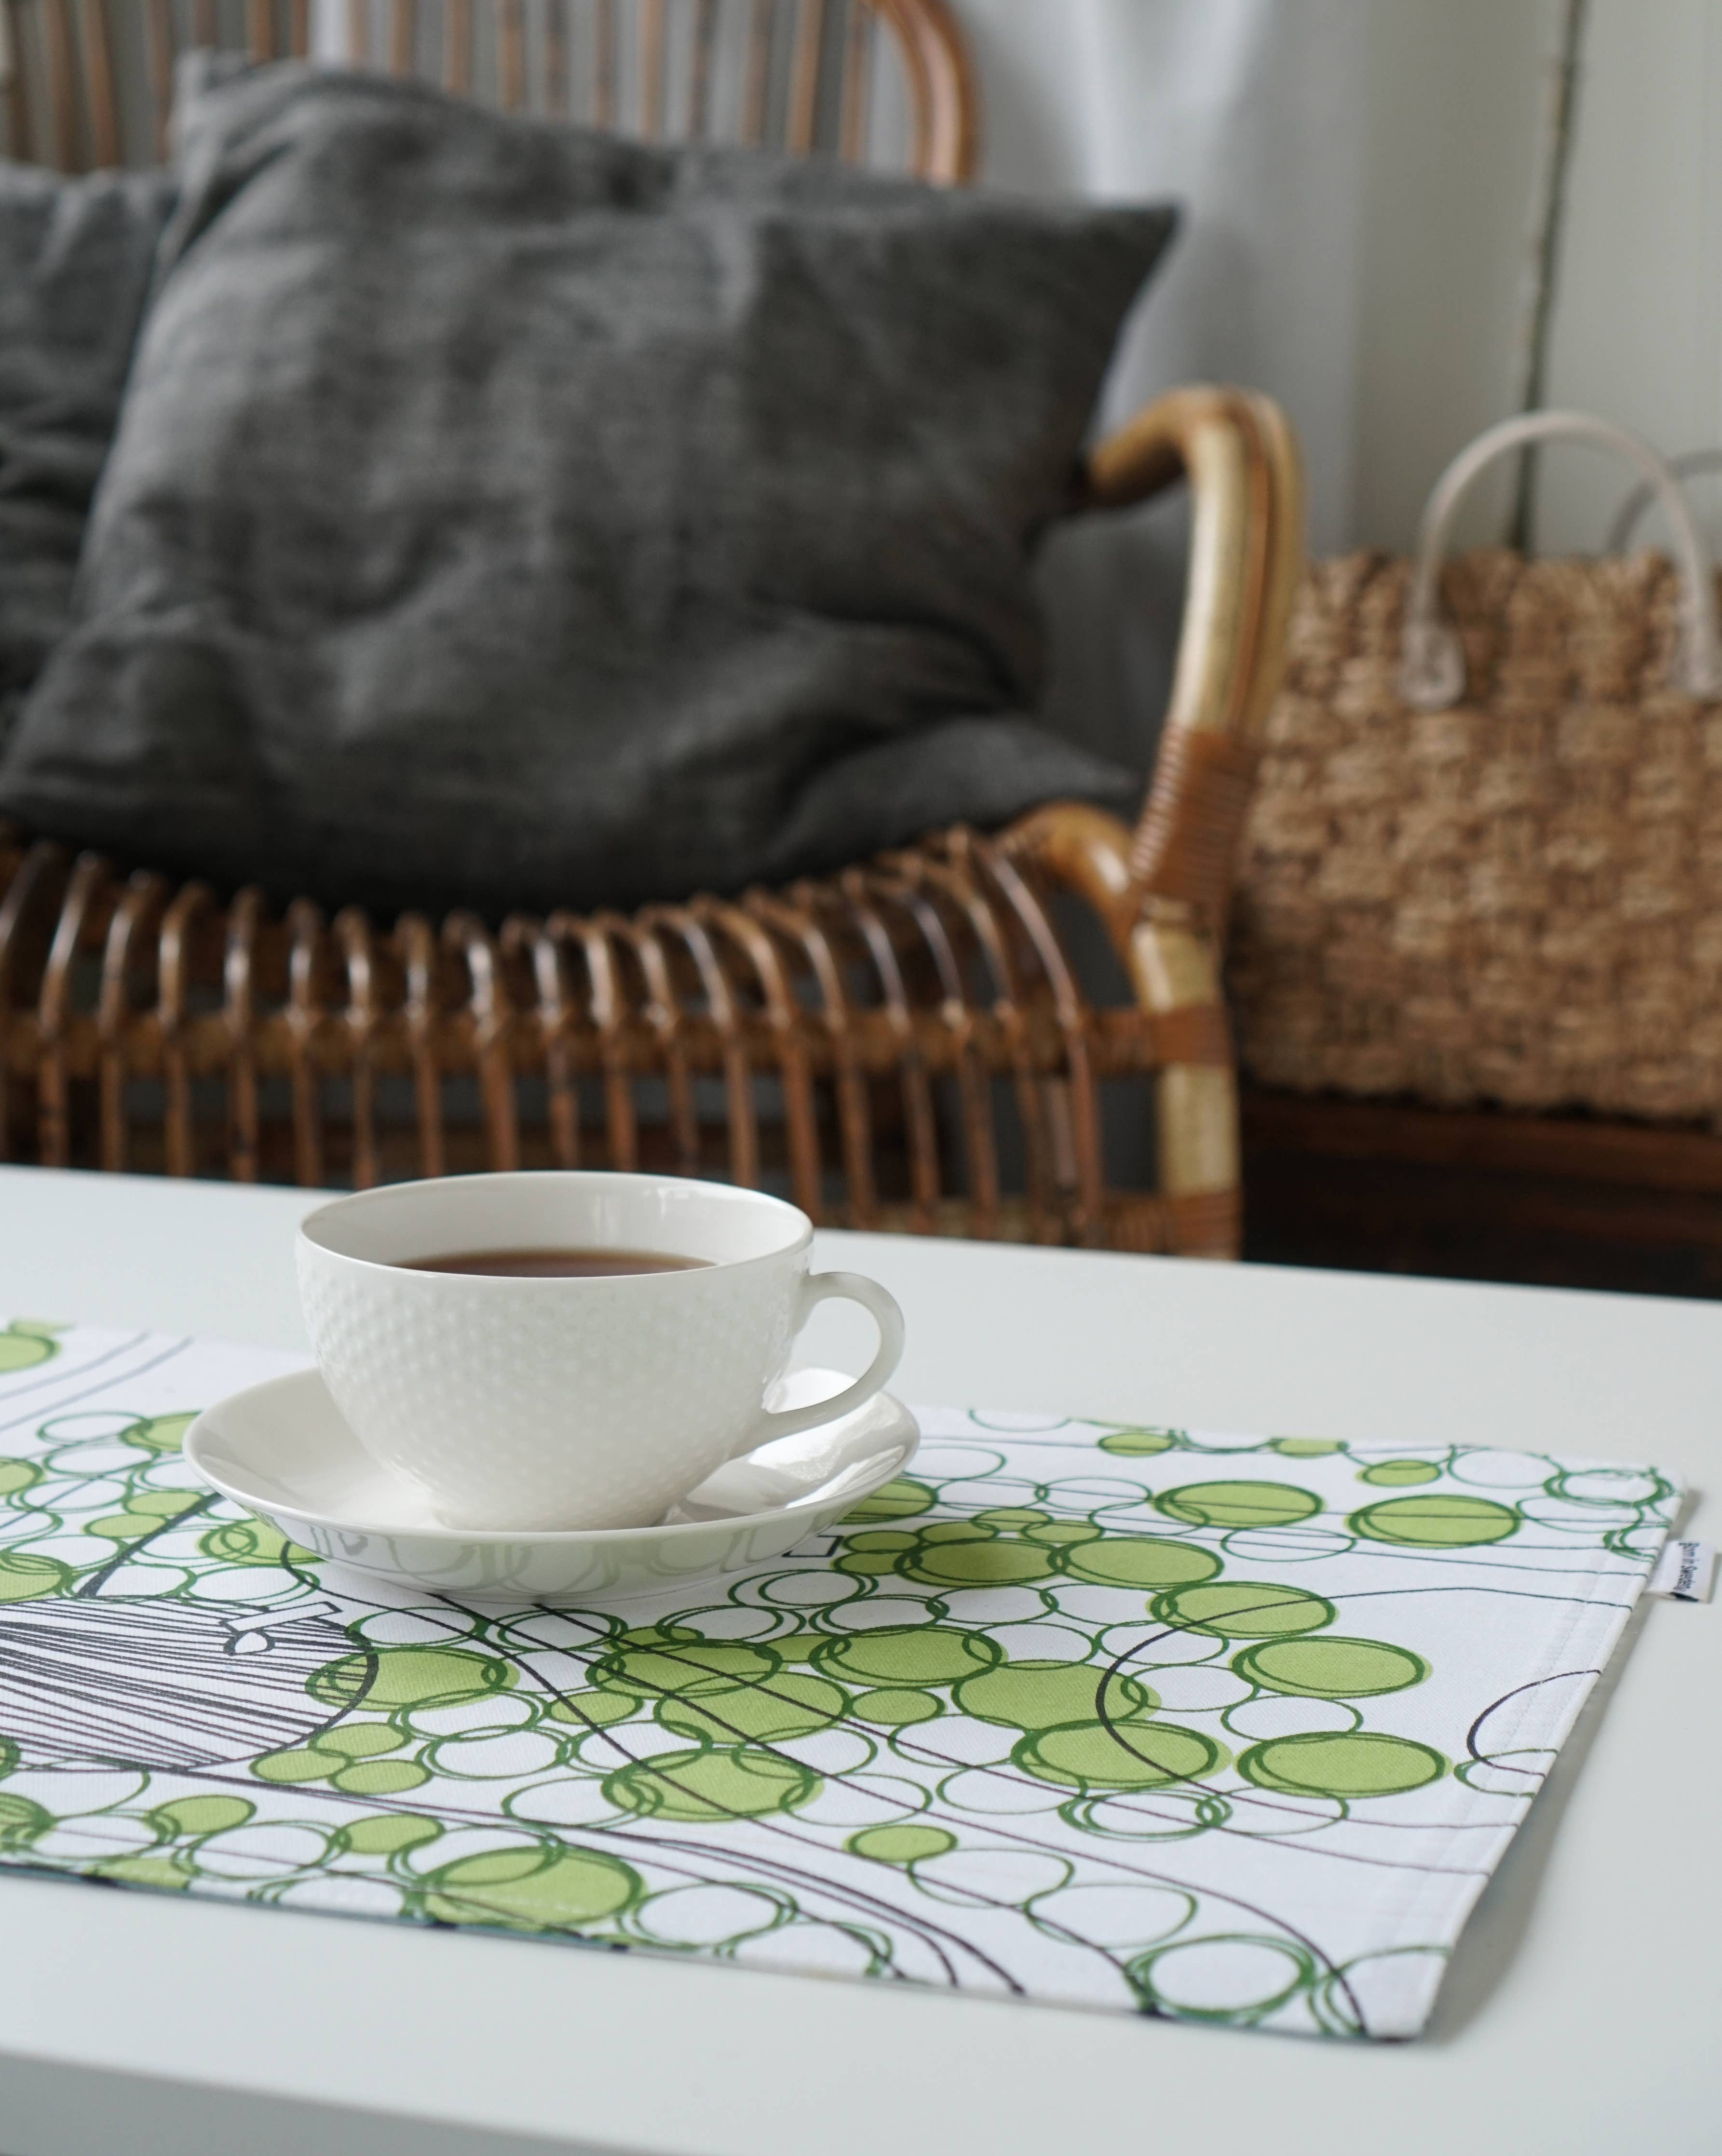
(1485, 859)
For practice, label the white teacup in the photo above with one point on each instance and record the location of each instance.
(567, 1403)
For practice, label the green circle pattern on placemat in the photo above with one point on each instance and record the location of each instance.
(993, 1654)
(1140, 1444)
(900, 1500)
(1150, 1562)
(901, 1844)
(25, 1573)
(531, 1889)
(1041, 1695)
(1330, 1668)
(24, 1343)
(1451, 1520)
(1235, 1979)
(704, 1785)
(1350, 1764)
(1239, 1504)
(1136, 1755)
(408, 1677)
(907, 1654)
(1244, 1610)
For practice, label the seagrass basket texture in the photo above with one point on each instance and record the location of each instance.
(1517, 900)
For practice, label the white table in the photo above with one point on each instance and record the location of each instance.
(1584, 2010)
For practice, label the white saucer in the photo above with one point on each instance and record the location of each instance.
(284, 1451)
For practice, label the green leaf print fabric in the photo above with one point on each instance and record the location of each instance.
(1228, 1728)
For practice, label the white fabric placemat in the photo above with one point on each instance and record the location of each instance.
(1231, 1728)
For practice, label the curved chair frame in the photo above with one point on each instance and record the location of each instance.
(905, 1045)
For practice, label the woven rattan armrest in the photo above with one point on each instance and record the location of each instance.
(1163, 891)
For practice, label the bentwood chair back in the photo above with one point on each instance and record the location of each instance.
(90, 82)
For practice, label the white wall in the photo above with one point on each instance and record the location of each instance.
(1458, 94)
(1638, 335)
(1455, 96)
(1382, 276)
(1250, 113)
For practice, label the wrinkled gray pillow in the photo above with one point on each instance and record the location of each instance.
(74, 265)
(510, 514)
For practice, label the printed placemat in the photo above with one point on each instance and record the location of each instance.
(1229, 1729)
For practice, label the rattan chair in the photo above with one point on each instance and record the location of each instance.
(907, 1045)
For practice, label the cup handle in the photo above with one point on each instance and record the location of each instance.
(881, 1307)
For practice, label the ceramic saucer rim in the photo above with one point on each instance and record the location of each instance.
(904, 1447)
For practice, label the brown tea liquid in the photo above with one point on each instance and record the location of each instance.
(552, 1264)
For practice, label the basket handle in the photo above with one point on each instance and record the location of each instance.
(1689, 466)
(1432, 673)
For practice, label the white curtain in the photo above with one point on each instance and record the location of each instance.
(1250, 113)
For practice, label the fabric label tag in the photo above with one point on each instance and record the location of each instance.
(1685, 1571)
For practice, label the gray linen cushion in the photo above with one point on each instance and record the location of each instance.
(510, 515)
(74, 265)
